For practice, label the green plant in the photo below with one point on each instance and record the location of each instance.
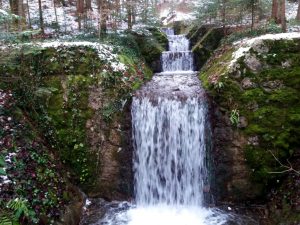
(234, 117)
(20, 207)
(2, 166)
(219, 85)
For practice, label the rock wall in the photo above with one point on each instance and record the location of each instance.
(78, 97)
(254, 90)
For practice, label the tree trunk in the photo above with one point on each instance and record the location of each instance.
(102, 7)
(252, 14)
(55, 13)
(80, 11)
(275, 11)
(14, 10)
(28, 15)
(21, 15)
(41, 17)
(224, 16)
(298, 13)
(282, 15)
(129, 14)
(88, 5)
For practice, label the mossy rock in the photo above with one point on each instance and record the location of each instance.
(271, 106)
(151, 47)
(204, 41)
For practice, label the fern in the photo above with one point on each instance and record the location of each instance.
(7, 219)
(20, 207)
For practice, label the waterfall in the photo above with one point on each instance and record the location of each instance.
(170, 136)
(170, 149)
(178, 58)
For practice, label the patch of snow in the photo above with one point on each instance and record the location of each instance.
(245, 45)
(4, 13)
(291, 10)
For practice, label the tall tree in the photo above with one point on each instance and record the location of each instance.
(41, 17)
(298, 13)
(80, 11)
(275, 11)
(282, 15)
(21, 14)
(28, 14)
(102, 9)
(88, 5)
(129, 8)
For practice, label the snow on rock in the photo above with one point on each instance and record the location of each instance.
(105, 52)
(256, 43)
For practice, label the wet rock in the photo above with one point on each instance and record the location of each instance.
(253, 141)
(253, 106)
(253, 63)
(286, 64)
(270, 86)
(247, 83)
(243, 122)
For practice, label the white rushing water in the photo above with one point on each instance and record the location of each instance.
(170, 134)
(179, 57)
(169, 163)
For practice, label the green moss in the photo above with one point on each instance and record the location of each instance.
(205, 44)
(152, 46)
(271, 107)
(215, 69)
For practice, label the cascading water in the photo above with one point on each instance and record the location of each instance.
(178, 58)
(170, 150)
(170, 134)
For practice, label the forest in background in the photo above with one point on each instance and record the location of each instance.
(97, 17)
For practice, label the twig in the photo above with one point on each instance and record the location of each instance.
(288, 168)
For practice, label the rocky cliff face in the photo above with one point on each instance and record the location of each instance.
(78, 97)
(255, 92)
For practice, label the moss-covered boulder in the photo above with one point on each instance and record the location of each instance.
(255, 88)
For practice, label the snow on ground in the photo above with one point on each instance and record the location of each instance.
(245, 45)
(66, 16)
(291, 10)
(3, 13)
